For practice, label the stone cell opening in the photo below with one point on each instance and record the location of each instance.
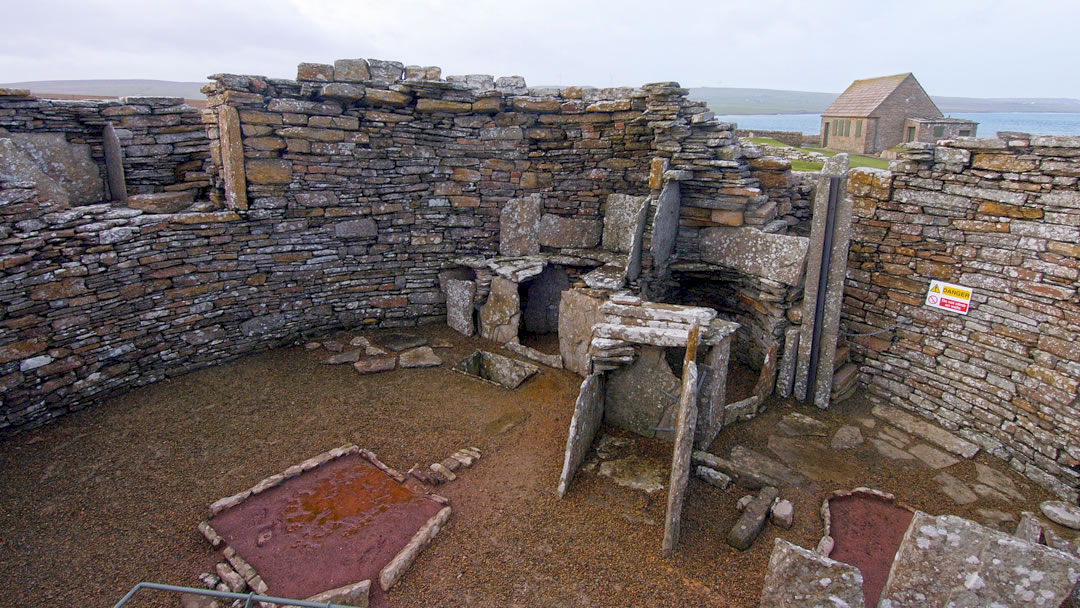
(540, 298)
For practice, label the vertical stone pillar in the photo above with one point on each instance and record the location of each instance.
(684, 443)
(232, 158)
(114, 164)
(832, 285)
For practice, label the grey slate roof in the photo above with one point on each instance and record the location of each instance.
(864, 96)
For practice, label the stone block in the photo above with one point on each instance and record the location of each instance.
(772, 256)
(564, 232)
(578, 312)
(800, 577)
(948, 560)
(752, 520)
(459, 306)
(320, 72)
(351, 70)
(356, 229)
(588, 414)
(343, 91)
(500, 316)
(519, 226)
(621, 219)
(17, 167)
(70, 165)
(268, 171)
(385, 70)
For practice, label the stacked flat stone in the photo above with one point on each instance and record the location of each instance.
(163, 140)
(998, 216)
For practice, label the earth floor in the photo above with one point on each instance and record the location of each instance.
(111, 496)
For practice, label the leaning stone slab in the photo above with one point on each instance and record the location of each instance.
(519, 226)
(926, 430)
(786, 374)
(1061, 513)
(114, 164)
(951, 561)
(665, 224)
(752, 520)
(459, 306)
(18, 167)
(800, 577)
(588, 413)
(401, 562)
(1029, 529)
(773, 256)
(684, 445)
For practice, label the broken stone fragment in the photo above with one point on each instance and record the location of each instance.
(712, 477)
(374, 365)
(752, 520)
(799, 577)
(1061, 513)
(782, 513)
(745, 500)
(1030, 528)
(333, 346)
(419, 357)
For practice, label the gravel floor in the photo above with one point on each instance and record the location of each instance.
(111, 496)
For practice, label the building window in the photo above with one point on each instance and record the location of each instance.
(939, 131)
(911, 134)
(835, 127)
(847, 128)
(965, 132)
(858, 128)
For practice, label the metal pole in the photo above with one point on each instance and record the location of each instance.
(250, 597)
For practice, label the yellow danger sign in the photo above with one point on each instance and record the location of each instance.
(946, 296)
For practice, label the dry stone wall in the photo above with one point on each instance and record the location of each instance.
(163, 140)
(1003, 218)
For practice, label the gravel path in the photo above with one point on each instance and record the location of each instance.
(111, 496)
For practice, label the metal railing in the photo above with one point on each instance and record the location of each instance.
(249, 597)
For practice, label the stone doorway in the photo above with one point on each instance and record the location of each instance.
(540, 298)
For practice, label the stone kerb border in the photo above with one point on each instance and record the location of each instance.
(353, 593)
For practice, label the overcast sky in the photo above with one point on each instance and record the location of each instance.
(976, 48)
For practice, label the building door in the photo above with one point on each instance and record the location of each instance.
(825, 137)
(911, 134)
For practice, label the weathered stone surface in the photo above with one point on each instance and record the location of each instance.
(578, 312)
(955, 489)
(69, 164)
(351, 70)
(459, 306)
(796, 424)
(743, 477)
(588, 414)
(846, 438)
(713, 393)
(684, 446)
(782, 513)
(761, 466)
(500, 316)
(401, 562)
(232, 158)
(932, 457)
(1029, 529)
(926, 430)
(1061, 513)
(356, 229)
(114, 164)
(622, 214)
(752, 520)
(799, 577)
(608, 276)
(349, 356)
(636, 472)
(398, 342)
(17, 167)
(666, 224)
(161, 202)
(889, 450)
(519, 226)
(785, 377)
(344, 92)
(374, 365)
(558, 231)
(947, 560)
(773, 256)
(419, 357)
(355, 595)
(712, 477)
(643, 397)
(268, 171)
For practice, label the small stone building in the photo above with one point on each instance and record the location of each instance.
(878, 113)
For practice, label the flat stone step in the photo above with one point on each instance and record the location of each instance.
(926, 430)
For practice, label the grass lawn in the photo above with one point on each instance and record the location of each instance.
(802, 165)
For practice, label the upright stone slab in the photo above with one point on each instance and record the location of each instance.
(666, 224)
(785, 377)
(519, 226)
(621, 218)
(684, 444)
(712, 394)
(767, 378)
(17, 167)
(578, 312)
(67, 163)
(459, 306)
(563, 232)
(232, 158)
(588, 413)
(500, 317)
(642, 397)
(800, 577)
(951, 561)
(833, 285)
(747, 249)
(637, 241)
(114, 164)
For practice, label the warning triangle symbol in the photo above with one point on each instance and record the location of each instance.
(935, 289)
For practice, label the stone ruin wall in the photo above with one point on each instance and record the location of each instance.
(164, 141)
(1001, 217)
(360, 184)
